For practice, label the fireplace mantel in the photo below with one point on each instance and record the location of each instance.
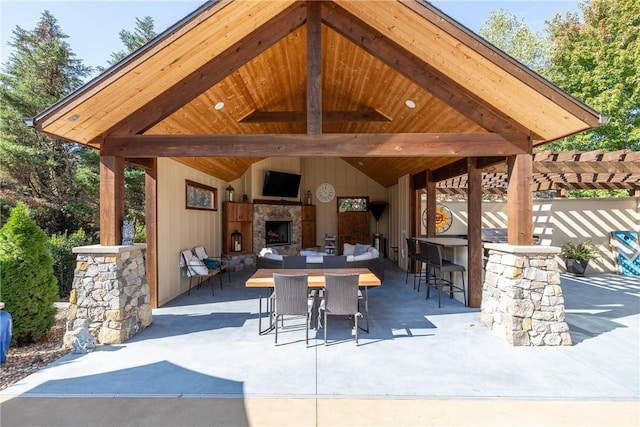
(276, 202)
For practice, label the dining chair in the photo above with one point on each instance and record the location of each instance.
(441, 266)
(413, 256)
(294, 262)
(218, 264)
(194, 269)
(334, 261)
(340, 299)
(291, 298)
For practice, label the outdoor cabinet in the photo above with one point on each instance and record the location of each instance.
(237, 217)
(308, 227)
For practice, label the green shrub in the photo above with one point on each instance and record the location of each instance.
(27, 284)
(64, 260)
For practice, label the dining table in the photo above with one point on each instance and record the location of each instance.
(262, 279)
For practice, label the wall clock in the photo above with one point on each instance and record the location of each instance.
(325, 192)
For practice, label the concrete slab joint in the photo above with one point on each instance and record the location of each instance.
(110, 294)
(522, 298)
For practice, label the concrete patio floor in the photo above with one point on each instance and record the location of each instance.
(202, 362)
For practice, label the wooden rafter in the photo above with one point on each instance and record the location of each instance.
(368, 115)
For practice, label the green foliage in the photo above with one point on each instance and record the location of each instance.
(598, 62)
(64, 260)
(35, 168)
(143, 33)
(28, 286)
(582, 251)
(505, 31)
(141, 232)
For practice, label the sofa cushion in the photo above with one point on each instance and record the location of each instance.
(360, 249)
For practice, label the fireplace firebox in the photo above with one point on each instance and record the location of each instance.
(277, 233)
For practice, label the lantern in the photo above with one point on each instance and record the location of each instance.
(236, 241)
(309, 197)
(230, 193)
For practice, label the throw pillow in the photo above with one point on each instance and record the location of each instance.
(360, 249)
(211, 264)
(348, 249)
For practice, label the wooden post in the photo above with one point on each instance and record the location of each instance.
(431, 205)
(314, 68)
(520, 200)
(151, 222)
(111, 199)
(474, 233)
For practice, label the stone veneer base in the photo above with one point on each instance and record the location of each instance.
(522, 299)
(110, 294)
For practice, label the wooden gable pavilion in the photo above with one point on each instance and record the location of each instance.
(393, 87)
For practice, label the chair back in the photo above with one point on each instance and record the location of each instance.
(192, 265)
(334, 261)
(435, 255)
(291, 294)
(341, 293)
(411, 248)
(294, 262)
(424, 252)
(200, 252)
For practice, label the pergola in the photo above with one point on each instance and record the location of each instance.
(561, 171)
(393, 87)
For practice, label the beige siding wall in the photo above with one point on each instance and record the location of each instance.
(560, 220)
(180, 228)
(348, 181)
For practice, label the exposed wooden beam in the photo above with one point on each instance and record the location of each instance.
(460, 167)
(418, 71)
(368, 115)
(326, 145)
(255, 43)
(314, 68)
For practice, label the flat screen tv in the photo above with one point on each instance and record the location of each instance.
(280, 184)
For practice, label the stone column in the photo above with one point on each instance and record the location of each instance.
(522, 299)
(110, 294)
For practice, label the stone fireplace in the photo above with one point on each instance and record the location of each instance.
(277, 233)
(283, 219)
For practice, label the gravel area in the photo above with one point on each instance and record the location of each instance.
(25, 360)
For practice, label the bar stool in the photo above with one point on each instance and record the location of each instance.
(440, 266)
(413, 257)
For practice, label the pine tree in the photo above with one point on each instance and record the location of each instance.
(35, 168)
(28, 286)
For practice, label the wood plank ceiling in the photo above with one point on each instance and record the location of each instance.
(403, 89)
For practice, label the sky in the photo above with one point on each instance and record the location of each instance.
(93, 25)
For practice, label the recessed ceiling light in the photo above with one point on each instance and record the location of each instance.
(409, 103)
(74, 118)
(361, 164)
(219, 105)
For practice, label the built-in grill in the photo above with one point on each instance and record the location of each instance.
(494, 235)
(499, 235)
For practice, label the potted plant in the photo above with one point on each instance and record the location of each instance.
(577, 256)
